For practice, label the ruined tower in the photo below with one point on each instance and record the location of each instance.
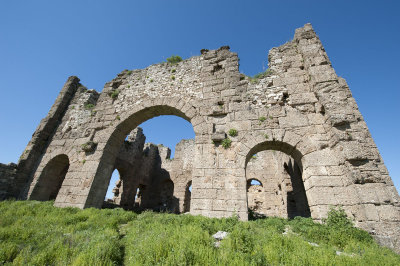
(299, 108)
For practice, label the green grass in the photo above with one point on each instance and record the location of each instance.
(36, 233)
(256, 78)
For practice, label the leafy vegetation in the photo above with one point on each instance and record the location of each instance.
(36, 233)
(89, 146)
(226, 143)
(113, 94)
(89, 106)
(175, 59)
(232, 132)
(256, 78)
(262, 118)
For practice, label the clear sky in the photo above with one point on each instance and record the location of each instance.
(44, 42)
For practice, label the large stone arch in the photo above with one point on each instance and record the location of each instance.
(112, 139)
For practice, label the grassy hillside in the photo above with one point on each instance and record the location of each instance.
(36, 233)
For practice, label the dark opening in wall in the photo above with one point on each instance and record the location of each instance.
(51, 179)
(188, 195)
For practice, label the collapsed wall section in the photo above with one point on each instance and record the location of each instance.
(149, 179)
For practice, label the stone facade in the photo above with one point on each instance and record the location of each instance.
(300, 107)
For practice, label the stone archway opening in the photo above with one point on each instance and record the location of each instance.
(149, 177)
(255, 198)
(51, 179)
(274, 182)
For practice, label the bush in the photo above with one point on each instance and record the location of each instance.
(226, 143)
(89, 146)
(175, 59)
(262, 118)
(338, 218)
(256, 78)
(113, 94)
(233, 132)
(89, 106)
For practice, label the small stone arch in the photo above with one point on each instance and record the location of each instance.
(51, 179)
(112, 138)
(250, 180)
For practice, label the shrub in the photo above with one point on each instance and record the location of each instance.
(173, 70)
(129, 72)
(226, 143)
(113, 94)
(175, 59)
(233, 132)
(338, 218)
(173, 77)
(89, 106)
(89, 146)
(261, 75)
(262, 118)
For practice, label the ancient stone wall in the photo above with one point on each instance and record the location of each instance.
(149, 178)
(7, 180)
(299, 107)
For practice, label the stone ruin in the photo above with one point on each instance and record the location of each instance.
(150, 179)
(301, 146)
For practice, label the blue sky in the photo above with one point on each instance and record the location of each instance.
(44, 42)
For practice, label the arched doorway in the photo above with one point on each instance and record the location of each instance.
(51, 179)
(255, 198)
(280, 191)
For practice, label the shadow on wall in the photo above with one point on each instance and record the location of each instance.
(297, 203)
(188, 196)
(51, 178)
